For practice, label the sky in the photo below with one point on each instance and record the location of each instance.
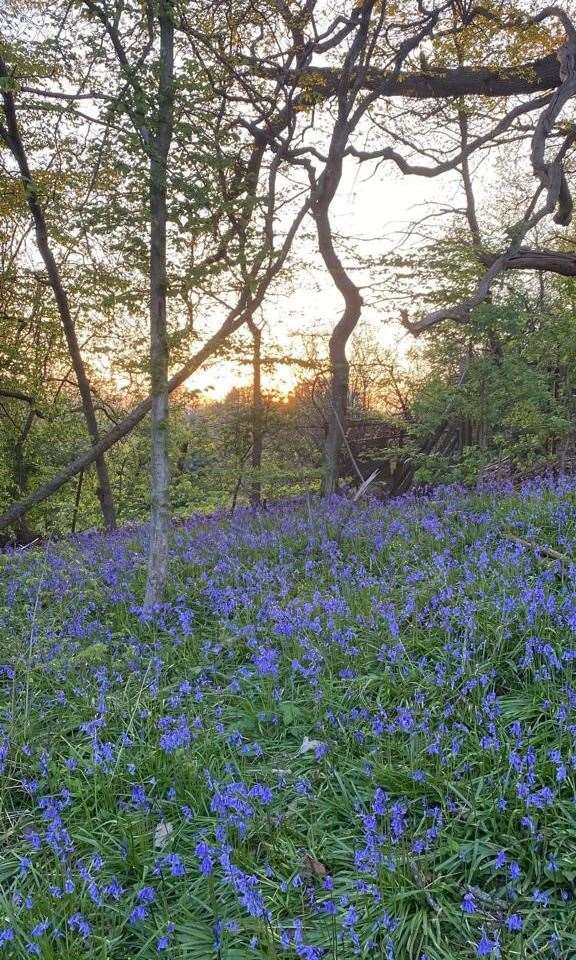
(376, 211)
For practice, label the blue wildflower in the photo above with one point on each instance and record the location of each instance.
(468, 904)
(80, 924)
(487, 947)
(6, 936)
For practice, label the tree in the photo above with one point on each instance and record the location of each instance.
(550, 174)
(10, 135)
(245, 307)
(160, 148)
(151, 116)
(257, 426)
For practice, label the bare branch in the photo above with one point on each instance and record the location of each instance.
(388, 153)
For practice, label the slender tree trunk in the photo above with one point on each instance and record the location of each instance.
(238, 483)
(471, 214)
(339, 366)
(257, 415)
(182, 454)
(23, 532)
(324, 192)
(14, 142)
(160, 473)
(104, 489)
(77, 502)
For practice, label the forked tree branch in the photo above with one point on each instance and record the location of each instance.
(553, 185)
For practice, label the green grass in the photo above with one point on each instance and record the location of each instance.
(395, 636)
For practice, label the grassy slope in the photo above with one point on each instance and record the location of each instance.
(156, 799)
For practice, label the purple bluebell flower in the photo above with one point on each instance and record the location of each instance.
(6, 936)
(468, 904)
(78, 923)
(487, 947)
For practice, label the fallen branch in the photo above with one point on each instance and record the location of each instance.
(537, 548)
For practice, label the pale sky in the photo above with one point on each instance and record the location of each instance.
(365, 209)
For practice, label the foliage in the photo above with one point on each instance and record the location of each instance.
(506, 384)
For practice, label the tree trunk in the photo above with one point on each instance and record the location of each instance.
(77, 502)
(339, 367)
(471, 215)
(257, 415)
(104, 489)
(14, 142)
(23, 532)
(160, 473)
(337, 415)
(324, 192)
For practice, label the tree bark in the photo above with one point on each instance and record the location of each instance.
(436, 82)
(14, 142)
(160, 473)
(77, 502)
(23, 532)
(257, 415)
(339, 366)
(546, 261)
(471, 214)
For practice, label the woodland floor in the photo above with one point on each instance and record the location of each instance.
(350, 731)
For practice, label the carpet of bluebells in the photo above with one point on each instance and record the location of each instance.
(349, 732)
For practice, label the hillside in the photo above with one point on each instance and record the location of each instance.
(350, 732)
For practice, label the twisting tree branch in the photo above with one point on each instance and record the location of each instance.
(551, 179)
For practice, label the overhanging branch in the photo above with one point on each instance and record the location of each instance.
(434, 83)
(552, 184)
(548, 261)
